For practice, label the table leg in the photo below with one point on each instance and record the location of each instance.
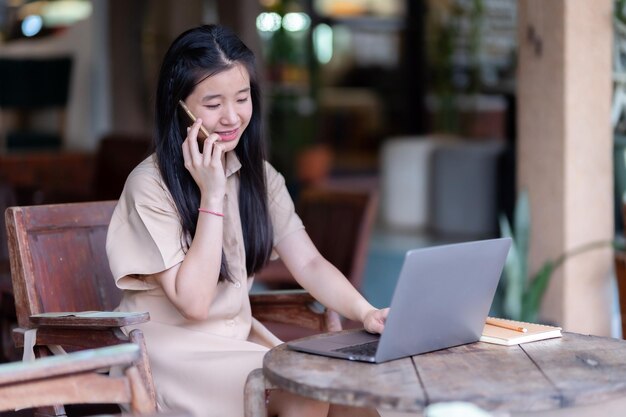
(254, 394)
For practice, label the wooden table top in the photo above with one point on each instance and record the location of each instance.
(556, 373)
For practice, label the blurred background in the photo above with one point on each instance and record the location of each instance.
(414, 102)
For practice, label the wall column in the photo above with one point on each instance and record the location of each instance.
(564, 149)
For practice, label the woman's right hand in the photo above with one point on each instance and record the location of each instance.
(205, 167)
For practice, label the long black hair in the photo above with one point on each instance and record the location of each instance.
(196, 54)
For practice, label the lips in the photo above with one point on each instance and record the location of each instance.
(228, 135)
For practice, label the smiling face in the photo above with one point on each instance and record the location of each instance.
(223, 102)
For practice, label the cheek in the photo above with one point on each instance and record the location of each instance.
(247, 115)
(209, 120)
(203, 113)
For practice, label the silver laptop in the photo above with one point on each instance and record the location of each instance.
(442, 299)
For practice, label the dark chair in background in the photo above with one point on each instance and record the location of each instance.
(59, 264)
(116, 157)
(7, 306)
(73, 176)
(31, 86)
(339, 220)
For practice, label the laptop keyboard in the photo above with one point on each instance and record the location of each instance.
(365, 349)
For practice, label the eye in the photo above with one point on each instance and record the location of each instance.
(242, 100)
(212, 106)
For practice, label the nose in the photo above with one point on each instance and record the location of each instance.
(229, 115)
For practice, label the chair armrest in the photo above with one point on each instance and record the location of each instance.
(296, 307)
(284, 297)
(72, 363)
(89, 319)
(87, 329)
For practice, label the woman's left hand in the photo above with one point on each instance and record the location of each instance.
(374, 321)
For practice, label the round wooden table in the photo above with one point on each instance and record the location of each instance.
(549, 374)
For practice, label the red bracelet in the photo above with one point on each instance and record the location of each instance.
(215, 213)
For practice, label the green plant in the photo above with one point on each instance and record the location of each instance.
(619, 9)
(454, 38)
(520, 293)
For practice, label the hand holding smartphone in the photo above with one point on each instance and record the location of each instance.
(202, 132)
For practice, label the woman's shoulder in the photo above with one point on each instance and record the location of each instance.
(276, 186)
(269, 168)
(271, 174)
(145, 182)
(146, 174)
(146, 170)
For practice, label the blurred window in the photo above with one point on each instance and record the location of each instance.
(342, 8)
(23, 19)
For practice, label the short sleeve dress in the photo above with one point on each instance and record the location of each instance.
(200, 366)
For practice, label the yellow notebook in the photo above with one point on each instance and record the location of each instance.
(506, 335)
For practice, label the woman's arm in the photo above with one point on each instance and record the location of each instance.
(191, 285)
(326, 283)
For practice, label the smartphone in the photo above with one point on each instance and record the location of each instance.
(202, 133)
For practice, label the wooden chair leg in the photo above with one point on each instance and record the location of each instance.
(254, 395)
(332, 321)
(143, 366)
(141, 403)
(48, 411)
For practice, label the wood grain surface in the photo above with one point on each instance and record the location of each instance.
(545, 375)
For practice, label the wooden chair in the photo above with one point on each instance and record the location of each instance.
(7, 308)
(117, 156)
(339, 221)
(75, 379)
(59, 264)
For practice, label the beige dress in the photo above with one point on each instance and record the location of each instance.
(200, 366)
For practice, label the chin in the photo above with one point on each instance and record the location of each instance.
(230, 145)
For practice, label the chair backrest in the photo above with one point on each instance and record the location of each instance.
(339, 222)
(58, 258)
(116, 157)
(7, 199)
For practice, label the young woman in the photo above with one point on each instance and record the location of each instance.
(194, 223)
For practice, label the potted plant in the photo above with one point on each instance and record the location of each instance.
(520, 292)
(464, 70)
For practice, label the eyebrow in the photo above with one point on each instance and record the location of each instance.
(212, 96)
